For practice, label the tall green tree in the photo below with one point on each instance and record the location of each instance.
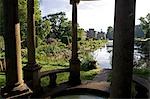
(110, 31)
(145, 22)
(139, 33)
(44, 29)
(22, 9)
(60, 25)
(81, 34)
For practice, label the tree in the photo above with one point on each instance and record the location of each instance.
(22, 12)
(109, 34)
(22, 9)
(60, 25)
(139, 33)
(80, 33)
(44, 28)
(145, 22)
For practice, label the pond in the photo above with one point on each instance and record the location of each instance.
(80, 97)
(103, 55)
(81, 93)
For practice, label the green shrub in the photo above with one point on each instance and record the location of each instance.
(2, 54)
(89, 75)
(51, 48)
(1, 42)
(144, 72)
(44, 81)
(2, 80)
(24, 53)
(65, 40)
(88, 63)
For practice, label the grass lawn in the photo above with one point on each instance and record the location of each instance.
(57, 55)
(2, 80)
(62, 77)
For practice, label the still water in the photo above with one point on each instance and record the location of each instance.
(79, 97)
(103, 56)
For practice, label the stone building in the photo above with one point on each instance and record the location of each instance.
(101, 35)
(91, 33)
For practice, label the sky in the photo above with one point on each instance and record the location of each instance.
(92, 14)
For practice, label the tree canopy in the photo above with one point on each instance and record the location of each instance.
(109, 34)
(53, 25)
(145, 22)
(60, 26)
(22, 9)
(22, 12)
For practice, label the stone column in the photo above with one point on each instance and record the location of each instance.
(123, 48)
(74, 78)
(31, 71)
(15, 86)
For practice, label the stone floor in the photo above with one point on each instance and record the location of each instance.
(98, 83)
(103, 85)
(103, 76)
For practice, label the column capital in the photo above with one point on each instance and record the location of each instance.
(74, 1)
(32, 67)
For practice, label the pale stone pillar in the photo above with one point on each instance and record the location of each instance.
(32, 70)
(74, 78)
(15, 86)
(123, 48)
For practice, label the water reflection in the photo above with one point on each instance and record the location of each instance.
(80, 97)
(103, 56)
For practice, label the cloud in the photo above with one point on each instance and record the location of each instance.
(93, 14)
(142, 9)
(90, 4)
(51, 6)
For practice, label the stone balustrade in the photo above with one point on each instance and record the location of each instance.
(53, 75)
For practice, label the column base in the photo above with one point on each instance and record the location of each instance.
(32, 77)
(20, 91)
(74, 78)
(31, 71)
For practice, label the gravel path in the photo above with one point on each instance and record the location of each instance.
(103, 76)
